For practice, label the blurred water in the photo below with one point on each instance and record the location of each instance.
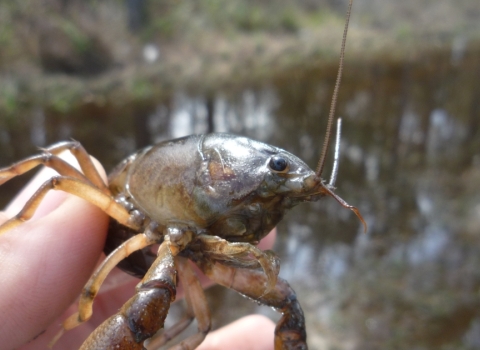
(409, 161)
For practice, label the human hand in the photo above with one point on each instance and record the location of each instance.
(47, 260)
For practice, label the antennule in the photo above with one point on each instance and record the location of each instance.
(333, 105)
(333, 177)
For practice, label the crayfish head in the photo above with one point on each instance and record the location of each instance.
(289, 177)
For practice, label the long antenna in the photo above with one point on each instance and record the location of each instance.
(326, 142)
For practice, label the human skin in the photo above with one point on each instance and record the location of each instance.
(46, 261)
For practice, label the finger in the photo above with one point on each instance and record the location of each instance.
(45, 263)
(105, 305)
(254, 332)
(268, 241)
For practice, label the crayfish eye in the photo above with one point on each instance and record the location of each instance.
(278, 164)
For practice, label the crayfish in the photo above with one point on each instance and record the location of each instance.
(205, 198)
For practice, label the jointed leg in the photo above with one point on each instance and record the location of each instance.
(88, 185)
(83, 159)
(144, 314)
(218, 247)
(92, 287)
(49, 158)
(80, 189)
(168, 334)
(290, 330)
(195, 297)
(196, 308)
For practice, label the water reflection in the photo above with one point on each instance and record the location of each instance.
(409, 160)
(248, 113)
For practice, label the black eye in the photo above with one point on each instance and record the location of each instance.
(278, 164)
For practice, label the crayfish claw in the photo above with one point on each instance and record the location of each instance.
(271, 267)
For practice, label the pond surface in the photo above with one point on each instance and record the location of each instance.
(410, 161)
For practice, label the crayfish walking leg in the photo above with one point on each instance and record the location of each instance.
(197, 307)
(290, 331)
(144, 314)
(88, 186)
